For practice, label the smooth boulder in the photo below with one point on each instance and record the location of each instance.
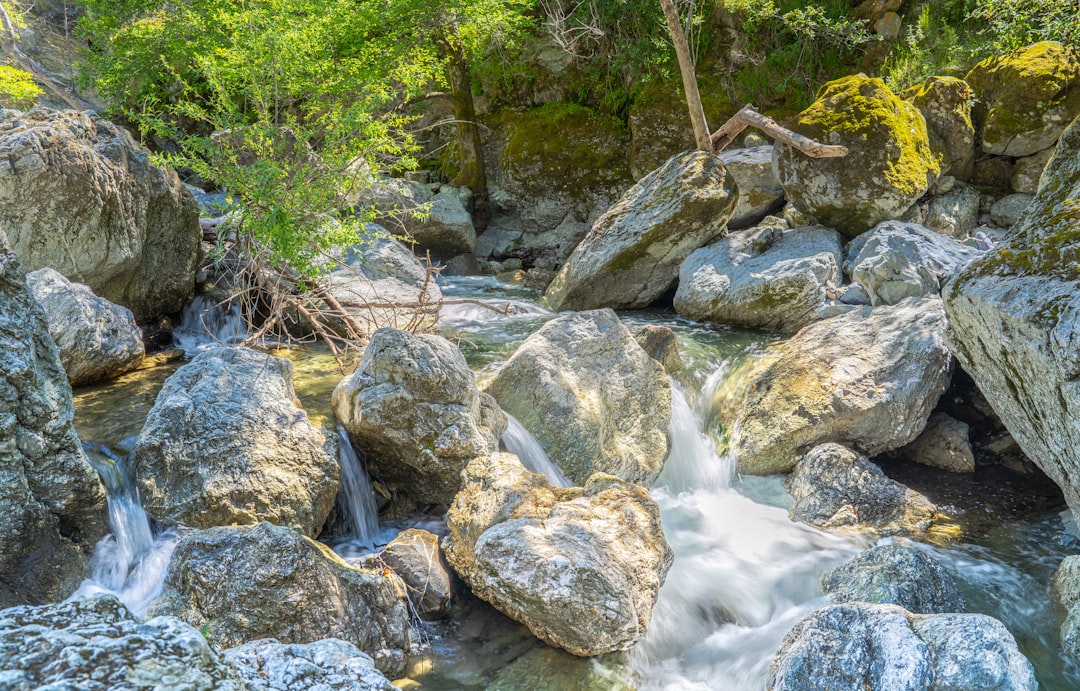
(581, 567)
(591, 396)
(226, 443)
(631, 256)
(416, 557)
(895, 574)
(96, 339)
(759, 192)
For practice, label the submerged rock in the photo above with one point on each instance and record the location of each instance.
(895, 575)
(79, 195)
(226, 443)
(855, 647)
(96, 339)
(326, 665)
(242, 584)
(943, 444)
(415, 556)
(51, 500)
(581, 567)
(591, 396)
(413, 409)
(632, 254)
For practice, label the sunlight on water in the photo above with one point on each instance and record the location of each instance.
(518, 441)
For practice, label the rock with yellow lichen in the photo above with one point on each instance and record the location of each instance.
(945, 103)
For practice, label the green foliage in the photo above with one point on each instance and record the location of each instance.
(938, 42)
(17, 88)
(1010, 24)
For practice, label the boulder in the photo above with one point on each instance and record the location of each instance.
(413, 409)
(1065, 585)
(506, 239)
(1028, 172)
(943, 444)
(661, 344)
(888, 167)
(326, 665)
(581, 567)
(762, 278)
(77, 194)
(591, 396)
(834, 487)
(436, 221)
(1007, 211)
(1026, 97)
(854, 647)
(226, 443)
(96, 339)
(544, 667)
(945, 103)
(415, 556)
(241, 584)
(954, 213)
(868, 379)
(51, 499)
(898, 260)
(631, 255)
(1014, 319)
(895, 575)
(759, 192)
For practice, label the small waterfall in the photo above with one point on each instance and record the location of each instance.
(207, 321)
(357, 497)
(518, 441)
(692, 461)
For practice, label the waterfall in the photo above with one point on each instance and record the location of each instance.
(357, 497)
(207, 321)
(518, 441)
(692, 461)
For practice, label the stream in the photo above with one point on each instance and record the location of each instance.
(743, 575)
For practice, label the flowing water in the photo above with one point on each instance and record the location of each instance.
(206, 322)
(520, 442)
(356, 500)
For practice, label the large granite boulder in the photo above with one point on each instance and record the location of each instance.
(96, 339)
(945, 103)
(867, 379)
(1014, 319)
(241, 584)
(591, 396)
(77, 194)
(855, 647)
(436, 221)
(1026, 97)
(327, 665)
(413, 409)
(763, 278)
(226, 443)
(631, 256)
(895, 574)
(52, 501)
(889, 165)
(898, 260)
(759, 192)
(581, 567)
(834, 487)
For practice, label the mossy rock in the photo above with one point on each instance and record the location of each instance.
(945, 103)
(1026, 97)
(889, 165)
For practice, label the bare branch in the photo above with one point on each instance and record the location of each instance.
(748, 117)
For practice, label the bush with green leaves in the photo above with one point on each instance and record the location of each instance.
(17, 88)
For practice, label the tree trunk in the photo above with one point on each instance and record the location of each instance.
(471, 173)
(689, 78)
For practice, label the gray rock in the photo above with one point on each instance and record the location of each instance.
(549, 248)
(759, 192)
(631, 255)
(242, 584)
(51, 499)
(413, 409)
(761, 278)
(661, 344)
(1028, 172)
(954, 213)
(446, 229)
(544, 667)
(581, 567)
(98, 645)
(895, 575)
(855, 647)
(899, 260)
(1065, 585)
(96, 339)
(591, 396)
(326, 665)
(853, 294)
(943, 444)
(868, 379)
(415, 556)
(1007, 211)
(834, 487)
(226, 443)
(945, 102)
(77, 194)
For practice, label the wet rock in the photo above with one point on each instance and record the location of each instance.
(242, 584)
(954, 213)
(415, 556)
(759, 192)
(834, 487)
(581, 567)
(761, 278)
(1007, 211)
(1065, 585)
(888, 167)
(899, 260)
(413, 409)
(96, 339)
(1026, 97)
(51, 499)
(661, 344)
(226, 443)
(856, 646)
(445, 228)
(544, 667)
(868, 379)
(327, 665)
(591, 396)
(945, 103)
(631, 255)
(943, 444)
(895, 575)
(98, 645)
(77, 194)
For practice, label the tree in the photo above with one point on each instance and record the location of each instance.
(689, 77)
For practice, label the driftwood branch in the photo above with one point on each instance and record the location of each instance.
(9, 44)
(748, 117)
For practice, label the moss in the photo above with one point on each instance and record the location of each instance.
(944, 97)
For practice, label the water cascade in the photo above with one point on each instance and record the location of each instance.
(356, 501)
(207, 322)
(520, 442)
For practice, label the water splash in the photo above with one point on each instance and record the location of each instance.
(520, 442)
(206, 322)
(356, 501)
(692, 461)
